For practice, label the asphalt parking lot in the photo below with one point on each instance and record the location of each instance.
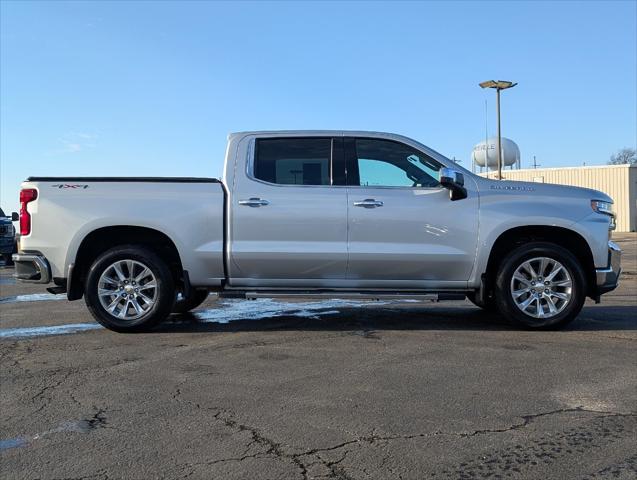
(277, 390)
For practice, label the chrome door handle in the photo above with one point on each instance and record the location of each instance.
(254, 202)
(369, 203)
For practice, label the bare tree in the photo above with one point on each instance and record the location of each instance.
(624, 156)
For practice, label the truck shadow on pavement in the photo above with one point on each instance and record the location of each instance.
(617, 318)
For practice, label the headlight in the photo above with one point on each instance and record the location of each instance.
(600, 206)
(605, 208)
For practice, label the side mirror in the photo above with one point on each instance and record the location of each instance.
(453, 181)
(15, 217)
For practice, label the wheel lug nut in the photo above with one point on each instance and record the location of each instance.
(547, 291)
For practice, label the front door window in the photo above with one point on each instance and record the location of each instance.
(384, 163)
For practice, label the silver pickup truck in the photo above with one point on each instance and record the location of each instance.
(318, 213)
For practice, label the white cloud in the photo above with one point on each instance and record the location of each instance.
(72, 147)
(75, 142)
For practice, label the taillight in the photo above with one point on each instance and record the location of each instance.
(26, 196)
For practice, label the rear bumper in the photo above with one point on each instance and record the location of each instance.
(608, 278)
(31, 268)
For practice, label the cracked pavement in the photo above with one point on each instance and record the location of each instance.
(405, 391)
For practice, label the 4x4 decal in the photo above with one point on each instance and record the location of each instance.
(69, 185)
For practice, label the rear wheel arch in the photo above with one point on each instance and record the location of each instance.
(515, 237)
(102, 239)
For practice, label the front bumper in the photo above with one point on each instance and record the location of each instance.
(608, 278)
(6, 245)
(31, 268)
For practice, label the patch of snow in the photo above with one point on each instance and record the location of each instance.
(34, 297)
(48, 330)
(233, 310)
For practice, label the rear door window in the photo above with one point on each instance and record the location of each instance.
(294, 161)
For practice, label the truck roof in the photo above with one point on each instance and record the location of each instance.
(353, 133)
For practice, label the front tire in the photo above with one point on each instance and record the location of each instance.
(129, 289)
(540, 285)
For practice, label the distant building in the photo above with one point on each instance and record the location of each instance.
(618, 181)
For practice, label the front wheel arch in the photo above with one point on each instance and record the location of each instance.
(517, 236)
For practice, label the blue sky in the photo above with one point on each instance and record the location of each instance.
(152, 88)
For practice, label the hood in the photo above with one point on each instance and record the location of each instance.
(513, 187)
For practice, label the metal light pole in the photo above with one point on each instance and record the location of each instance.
(498, 85)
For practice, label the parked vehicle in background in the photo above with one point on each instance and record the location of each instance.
(318, 213)
(7, 237)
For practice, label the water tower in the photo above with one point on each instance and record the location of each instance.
(485, 154)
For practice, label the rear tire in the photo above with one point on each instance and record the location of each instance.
(129, 289)
(196, 298)
(540, 285)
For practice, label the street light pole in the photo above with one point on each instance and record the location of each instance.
(497, 107)
(498, 85)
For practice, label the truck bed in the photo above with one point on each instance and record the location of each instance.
(188, 210)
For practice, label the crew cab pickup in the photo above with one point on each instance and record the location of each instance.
(318, 213)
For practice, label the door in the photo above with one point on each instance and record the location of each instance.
(288, 219)
(404, 231)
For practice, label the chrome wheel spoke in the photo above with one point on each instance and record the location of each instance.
(525, 304)
(131, 267)
(144, 273)
(136, 306)
(529, 268)
(111, 306)
(551, 305)
(543, 263)
(563, 283)
(557, 268)
(118, 270)
(148, 285)
(107, 279)
(518, 293)
(124, 310)
(147, 300)
(560, 295)
(103, 292)
(522, 279)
